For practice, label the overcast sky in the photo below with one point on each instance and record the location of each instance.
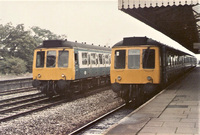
(94, 21)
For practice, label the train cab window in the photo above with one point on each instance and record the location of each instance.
(40, 59)
(63, 58)
(51, 59)
(120, 59)
(84, 58)
(148, 59)
(134, 59)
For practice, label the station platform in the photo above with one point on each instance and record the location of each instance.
(174, 111)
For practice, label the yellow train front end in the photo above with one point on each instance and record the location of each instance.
(135, 65)
(135, 69)
(53, 68)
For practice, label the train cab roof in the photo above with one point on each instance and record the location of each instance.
(69, 44)
(132, 41)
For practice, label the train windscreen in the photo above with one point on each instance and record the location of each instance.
(134, 59)
(40, 59)
(51, 59)
(120, 59)
(63, 58)
(148, 59)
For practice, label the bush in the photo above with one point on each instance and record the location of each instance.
(12, 65)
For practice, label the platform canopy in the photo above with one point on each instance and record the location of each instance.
(178, 19)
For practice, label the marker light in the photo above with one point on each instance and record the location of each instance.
(63, 76)
(119, 78)
(39, 75)
(149, 78)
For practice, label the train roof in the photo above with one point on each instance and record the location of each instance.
(135, 41)
(132, 41)
(69, 44)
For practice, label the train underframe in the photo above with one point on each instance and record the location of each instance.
(135, 94)
(69, 87)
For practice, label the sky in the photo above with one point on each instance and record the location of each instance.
(91, 21)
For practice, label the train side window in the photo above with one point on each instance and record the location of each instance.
(120, 59)
(148, 58)
(134, 59)
(103, 57)
(109, 60)
(84, 59)
(97, 59)
(40, 59)
(106, 59)
(93, 58)
(88, 59)
(100, 58)
(51, 59)
(63, 58)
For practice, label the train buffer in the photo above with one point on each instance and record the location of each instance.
(175, 110)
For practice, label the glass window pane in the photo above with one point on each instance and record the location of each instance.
(51, 58)
(93, 58)
(40, 59)
(120, 59)
(134, 59)
(149, 58)
(84, 58)
(63, 59)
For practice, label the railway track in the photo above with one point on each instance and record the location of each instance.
(26, 106)
(15, 91)
(19, 106)
(89, 125)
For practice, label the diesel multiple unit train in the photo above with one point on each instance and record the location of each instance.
(137, 67)
(141, 66)
(64, 67)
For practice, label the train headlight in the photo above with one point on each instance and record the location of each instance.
(149, 78)
(63, 76)
(119, 78)
(39, 75)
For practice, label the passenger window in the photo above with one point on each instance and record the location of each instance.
(40, 59)
(88, 59)
(84, 59)
(106, 59)
(148, 58)
(120, 59)
(97, 60)
(134, 59)
(100, 58)
(93, 58)
(51, 59)
(63, 59)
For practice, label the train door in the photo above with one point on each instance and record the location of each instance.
(76, 62)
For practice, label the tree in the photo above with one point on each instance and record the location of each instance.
(12, 65)
(19, 43)
(42, 34)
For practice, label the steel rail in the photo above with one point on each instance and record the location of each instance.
(96, 120)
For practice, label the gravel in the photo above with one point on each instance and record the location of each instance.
(64, 118)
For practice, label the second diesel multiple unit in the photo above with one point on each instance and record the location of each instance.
(140, 66)
(63, 67)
